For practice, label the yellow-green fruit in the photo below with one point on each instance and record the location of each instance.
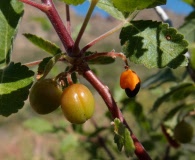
(45, 96)
(183, 132)
(77, 103)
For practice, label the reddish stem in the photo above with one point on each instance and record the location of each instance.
(68, 25)
(115, 111)
(59, 27)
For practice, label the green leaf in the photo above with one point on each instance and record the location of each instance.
(132, 5)
(73, 2)
(38, 125)
(173, 112)
(137, 111)
(188, 30)
(51, 62)
(159, 78)
(123, 138)
(153, 44)
(108, 6)
(44, 22)
(99, 59)
(190, 16)
(176, 93)
(177, 113)
(191, 2)
(43, 44)
(68, 143)
(11, 12)
(15, 82)
(42, 66)
(128, 143)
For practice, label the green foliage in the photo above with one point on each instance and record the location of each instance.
(11, 12)
(15, 83)
(43, 44)
(38, 125)
(154, 42)
(46, 67)
(42, 65)
(68, 143)
(122, 138)
(73, 2)
(45, 24)
(162, 76)
(188, 30)
(132, 5)
(175, 94)
(108, 6)
(192, 55)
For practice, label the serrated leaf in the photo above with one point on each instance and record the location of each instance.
(15, 82)
(153, 44)
(188, 30)
(159, 78)
(108, 6)
(177, 93)
(73, 2)
(122, 138)
(43, 44)
(100, 59)
(50, 65)
(11, 12)
(38, 125)
(132, 5)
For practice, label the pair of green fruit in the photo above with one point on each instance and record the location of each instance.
(76, 101)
